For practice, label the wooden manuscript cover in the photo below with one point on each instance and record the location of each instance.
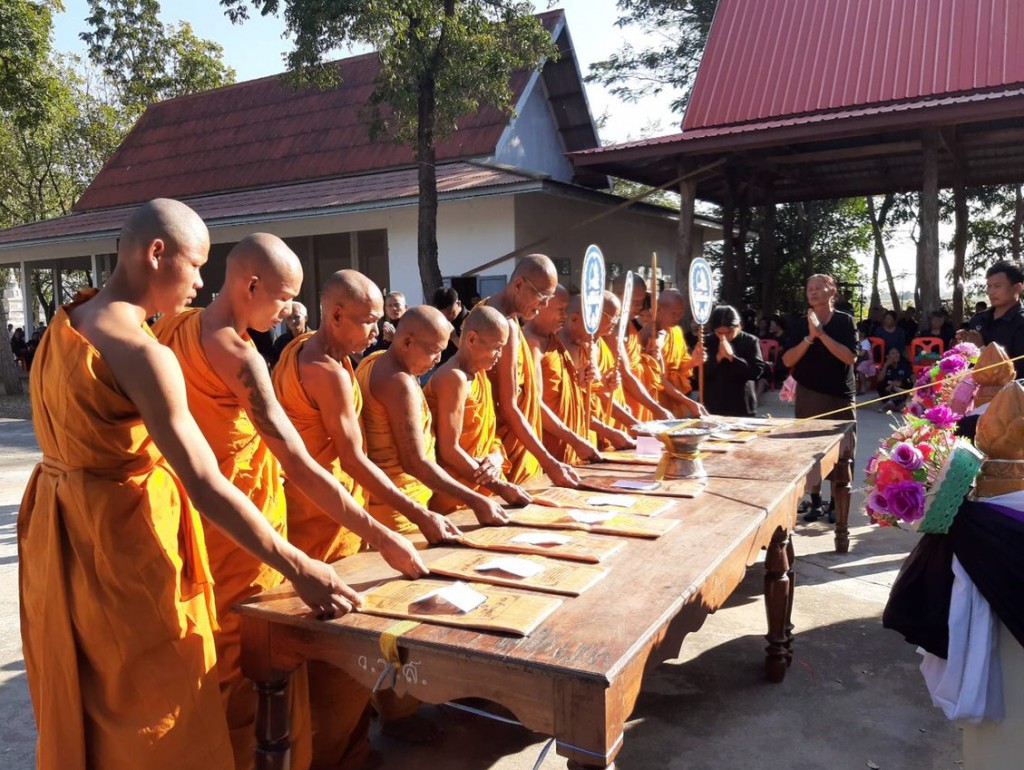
(558, 577)
(645, 486)
(581, 546)
(637, 505)
(504, 611)
(616, 524)
(629, 457)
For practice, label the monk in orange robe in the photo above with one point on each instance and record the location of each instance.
(566, 434)
(117, 611)
(675, 358)
(516, 381)
(317, 388)
(610, 398)
(462, 410)
(641, 374)
(231, 396)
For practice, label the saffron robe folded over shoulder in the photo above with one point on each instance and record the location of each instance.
(246, 461)
(382, 451)
(479, 437)
(524, 466)
(338, 704)
(117, 609)
(646, 368)
(602, 407)
(309, 528)
(565, 397)
(679, 364)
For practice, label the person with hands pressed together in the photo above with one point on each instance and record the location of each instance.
(516, 381)
(462, 408)
(118, 613)
(610, 399)
(822, 365)
(734, 359)
(677, 361)
(231, 396)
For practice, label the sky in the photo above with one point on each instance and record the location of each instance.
(257, 48)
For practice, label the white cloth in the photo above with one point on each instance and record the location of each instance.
(968, 684)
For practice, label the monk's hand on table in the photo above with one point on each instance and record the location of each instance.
(512, 494)
(437, 528)
(587, 451)
(400, 554)
(319, 586)
(563, 475)
(488, 512)
(621, 440)
(486, 471)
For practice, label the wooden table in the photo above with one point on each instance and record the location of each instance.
(577, 677)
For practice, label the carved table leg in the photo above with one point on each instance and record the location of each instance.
(777, 592)
(573, 765)
(272, 720)
(842, 475)
(791, 558)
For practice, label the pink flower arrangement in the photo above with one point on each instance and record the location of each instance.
(939, 381)
(905, 467)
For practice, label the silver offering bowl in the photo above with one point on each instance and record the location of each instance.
(682, 439)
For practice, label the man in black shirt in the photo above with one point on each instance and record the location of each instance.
(1003, 321)
(822, 365)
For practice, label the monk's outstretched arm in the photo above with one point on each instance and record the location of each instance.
(505, 401)
(245, 373)
(151, 377)
(403, 400)
(330, 388)
(452, 391)
(632, 385)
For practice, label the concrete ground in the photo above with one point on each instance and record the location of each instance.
(853, 698)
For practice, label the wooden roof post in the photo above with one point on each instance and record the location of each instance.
(928, 247)
(730, 290)
(685, 239)
(951, 142)
(766, 248)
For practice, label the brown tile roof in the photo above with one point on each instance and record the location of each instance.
(322, 197)
(264, 133)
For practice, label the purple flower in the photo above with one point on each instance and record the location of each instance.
(905, 500)
(966, 349)
(908, 456)
(916, 409)
(941, 416)
(923, 377)
(952, 364)
(876, 501)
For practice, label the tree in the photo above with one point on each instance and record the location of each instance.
(149, 61)
(439, 59)
(675, 33)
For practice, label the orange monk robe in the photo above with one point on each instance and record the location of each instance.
(479, 436)
(246, 461)
(117, 611)
(524, 466)
(565, 397)
(678, 363)
(339, 706)
(601, 404)
(646, 368)
(381, 449)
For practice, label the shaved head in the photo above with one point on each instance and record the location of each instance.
(484, 321)
(611, 303)
(263, 255)
(161, 219)
(348, 287)
(424, 321)
(672, 298)
(619, 283)
(536, 267)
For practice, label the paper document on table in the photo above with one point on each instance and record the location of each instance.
(629, 457)
(458, 595)
(638, 505)
(501, 610)
(645, 484)
(579, 546)
(600, 522)
(548, 575)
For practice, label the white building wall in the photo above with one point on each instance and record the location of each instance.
(531, 141)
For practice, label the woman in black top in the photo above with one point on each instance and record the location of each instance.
(734, 359)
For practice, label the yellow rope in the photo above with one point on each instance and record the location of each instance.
(389, 641)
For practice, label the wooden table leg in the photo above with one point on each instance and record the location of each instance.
(573, 765)
(272, 720)
(777, 593)
(842, 475)
(791, 558)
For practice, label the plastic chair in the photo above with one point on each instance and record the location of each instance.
(770, 354)
(877, 350)
(933, 347)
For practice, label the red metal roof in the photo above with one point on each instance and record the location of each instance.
(772, 60)
(321, 197)
(263, 132)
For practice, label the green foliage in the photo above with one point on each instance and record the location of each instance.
(675, 32)
(24, 50)
(148, 61)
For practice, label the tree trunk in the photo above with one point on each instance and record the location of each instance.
(742, 258)
(877, 219)
(426, 241)
(728, 249)
(928, 251)
(8, 366)
(1018, 220)
(684, 238)
(769, 259)
(959, 246)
